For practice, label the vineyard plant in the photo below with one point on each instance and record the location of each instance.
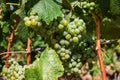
(59, 39)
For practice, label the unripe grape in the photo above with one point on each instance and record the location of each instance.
(67, 56)
(65, 33)
(62, 54)
(66, 43)
(74, 63)
(68, 36)
(39, 24)
(77, 31)
(60, 26)
(87, 5)
(75, 39)
(72, 31)
(74, 57)
(28, 23)
(62, 49)
(78, 60)
(63, 58)
(78, 23)
(92, 4)
(31, 17)
(36, 18)
(56, 46)
(70, 65)
(34, 22)
(91, 8)
(68, 74)
(79, 36)
(72, 60)
(1, 16)
(76, 70)
(64, 22)
(67, 51)
(26, 19)
(79, 65)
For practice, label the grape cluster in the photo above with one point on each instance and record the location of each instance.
(14, 72)
(71, 34)
(87, 7)
(32, 21)
(63, 24)
(74, 30)
(74, 65)
(62, 51)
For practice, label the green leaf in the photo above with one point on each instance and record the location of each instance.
(47, 10)
(115, 6)
(48, 67)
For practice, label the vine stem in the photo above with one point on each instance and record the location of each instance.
(10, 39)
(98, 47)
(61, 78)
(29, 41)
(13, 4)
(0, 10)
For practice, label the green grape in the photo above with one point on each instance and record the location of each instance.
(92, 4)
(57, 46)
(68, 36)
(1, 17)
(79, 71)
(72, 31)
(78, 60)
(66, 43)
(74, 57)
(87, 5)
(62, 42)
(78, 23)
(76, 70)
(63, 58)
(39, 24)
(79, 36)
(60, 26)
(68, 74)
(28, 23)
(70, 65)
(67, 56)
(91, 8)
(65, 33)
(62, 49)
(74, 63)
(75, 39)
(64, 22)
(26, 19)
(62, 54)
(67, 51)
(31, 17)
(72, 60)
(36, 18)
(79, 65)
(34, 22)
(77, 31)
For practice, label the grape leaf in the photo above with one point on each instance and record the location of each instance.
(48, 67)
(23, 31)
(47, 10)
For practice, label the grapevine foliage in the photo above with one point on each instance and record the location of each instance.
(63, 38)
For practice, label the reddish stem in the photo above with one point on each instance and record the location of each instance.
(29, 50)
(10, 41)
(61, 78)
(0, 10)
(98, 47)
